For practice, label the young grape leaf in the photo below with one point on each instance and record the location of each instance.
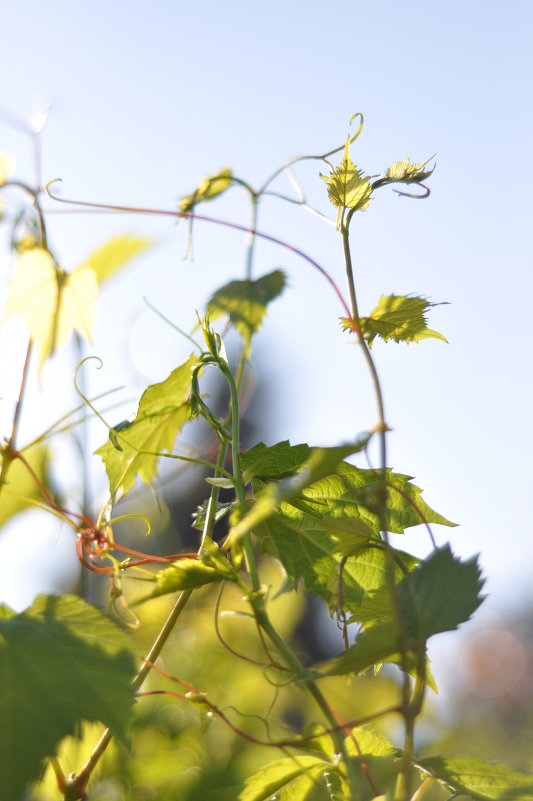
(479, 779)
(400, 318)
(21, 488)
(189, 573)
(369, 742)
(115, 254)
(437, 595)
(408, 173)
(208, 189)
(245, 303)
(163, 410)
(61, 661)
(289, 779)
(7, 166)
(347, 188)
(51, 302)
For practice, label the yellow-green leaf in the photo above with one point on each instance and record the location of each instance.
(51, 302)
(398, 317)
(209, 188)
(408, 173)
(21, 488)
(115, 254)
(347, 187)
(7, 166)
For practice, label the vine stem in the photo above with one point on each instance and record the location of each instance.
(216, 221)
(409, 712)
(256, 598)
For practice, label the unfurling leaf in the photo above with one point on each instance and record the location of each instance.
(245, 303)
(163, 410)
(51, 302)
(115, 254)
(208, 189)
(480, 779)
(347, 187)
(287, 779)
(61, 661)
(189, 573)
(407, 173)
(400, 318)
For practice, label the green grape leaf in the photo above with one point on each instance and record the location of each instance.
(436, 596)
(208, 189)
(21, 488)
(369, 743)
(245, 303)
(221, 510)
(189, 573)
(347, 188)
(275, 461)
(408, 173)
(290, 779)
(479, 779)
(163, 410)
(7, 166)
(61, 661)
(320, 463)
(51, 302)
(115, 254)
(397, 317)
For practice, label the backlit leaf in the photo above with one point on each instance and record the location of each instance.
(115, 254)
(51, 302)
(408, 173)
(245, 303)
(7, 166)
(208, 189)
(163, 410)
(289, 779)
(21, 488)
(347, 188)
(436, 596)
(189, 573)
(400, 318)
(61, 661)
(480, 779)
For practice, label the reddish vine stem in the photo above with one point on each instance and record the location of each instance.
(204, 218)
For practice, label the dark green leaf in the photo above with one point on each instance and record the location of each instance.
(61, 661)
(163, 410)
(245, 303)
(480, 779)
(400, 318)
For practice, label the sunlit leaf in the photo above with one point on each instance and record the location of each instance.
(7, 166)
(115, 254)
(347, 187)
(245, 303)
(369, 743)
(51, 302)
(208, 189)
(289, 779)
(163, 410)
(480, 779)
(408, 173)
(436, 596)
(397, 317)
(189, 573)
(61, 661)
(21, 488)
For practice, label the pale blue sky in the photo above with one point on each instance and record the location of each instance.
(147, 98)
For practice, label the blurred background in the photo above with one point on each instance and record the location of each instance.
(145, 100)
